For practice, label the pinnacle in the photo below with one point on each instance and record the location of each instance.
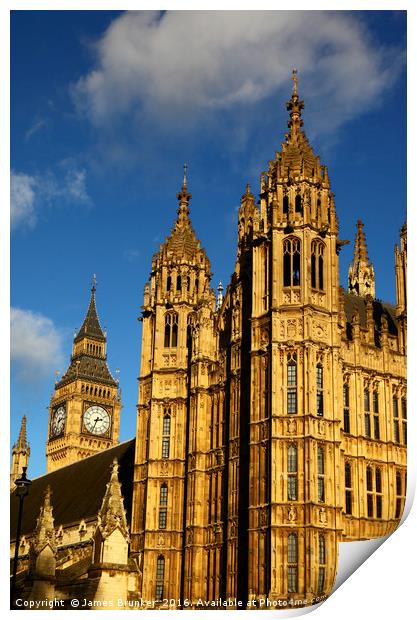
(22, 443)
(361, 250)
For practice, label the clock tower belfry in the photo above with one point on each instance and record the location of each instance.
(84, 412)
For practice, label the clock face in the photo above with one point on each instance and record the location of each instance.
(96, 420)
(58, 421)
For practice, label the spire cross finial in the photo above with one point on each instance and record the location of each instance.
(184, 183)
(93, 283)
(295, 80)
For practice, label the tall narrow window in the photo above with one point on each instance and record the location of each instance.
(396, 419)
(400, 494)
(367, 415)
(171, 329)
(322, 564)
(188, 281)
(320, 474)
(298, 204)
(285, 204)
(166, 436)
(169, 282)
(404, 419)
(292, 383)
(178, 283)
(348, 489)
(317, 265)
(292, 473)
(292, 256)
(376, 415)
(163, 505)
(346, 409)
(160, 572)
(378, 493)
(369, 491)
(292, 563)
(319, 389)
(265, 268)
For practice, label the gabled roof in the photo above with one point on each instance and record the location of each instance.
(77, 489)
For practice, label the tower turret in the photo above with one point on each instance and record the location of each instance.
(361, 278)
(84, 413)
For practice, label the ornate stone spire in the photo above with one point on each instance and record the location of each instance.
(184, 198)
(361, 278)
(91, 325)
(22, 443)
(182, 241)
(44, 534)
(294, 106)
(112, 513)
(20, 454)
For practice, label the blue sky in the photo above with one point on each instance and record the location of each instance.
(106, 107)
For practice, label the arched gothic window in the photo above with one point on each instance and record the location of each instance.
(285, 204)
(171, 329)
(298, 204)
(320, 474)
(292, 261)
(317, 265)
(322, 564)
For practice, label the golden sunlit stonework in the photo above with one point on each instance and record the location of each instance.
(271, 421)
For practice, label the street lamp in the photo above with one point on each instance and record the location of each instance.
(22, 489)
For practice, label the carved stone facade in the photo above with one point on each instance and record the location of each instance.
(275, 422)
(271, 422)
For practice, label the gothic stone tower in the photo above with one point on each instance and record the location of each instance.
(84, 412)
(169, 511)
(285, 402)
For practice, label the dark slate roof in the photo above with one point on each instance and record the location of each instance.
(355, 302)
(77, 489)
(91, 326)
(90, 368)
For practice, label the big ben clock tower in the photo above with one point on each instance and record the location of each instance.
(84, 412)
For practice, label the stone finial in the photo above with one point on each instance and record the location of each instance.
(361, 278)
(112, 514)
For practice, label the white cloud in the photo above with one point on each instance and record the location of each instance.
(36, 346)
(192, 62)
(29, 193)
(34, 128)
(22, 200)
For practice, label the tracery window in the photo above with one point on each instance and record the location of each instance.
(292, 261)
(374, 492)
(171, 329)
(317, 265)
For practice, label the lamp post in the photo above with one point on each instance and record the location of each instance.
(22, 489)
